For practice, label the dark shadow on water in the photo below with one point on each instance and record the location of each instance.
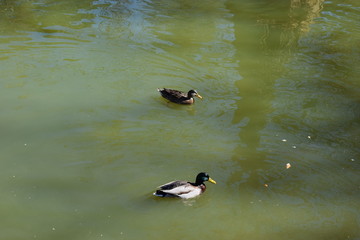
(278, 32)
(261, 162)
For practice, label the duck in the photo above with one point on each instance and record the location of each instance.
(179, 97)
(184, 189)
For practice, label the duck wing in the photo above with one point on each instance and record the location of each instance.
(180, 189)
(172, 94)
(172, 185)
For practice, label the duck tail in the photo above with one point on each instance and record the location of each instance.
(159, 193)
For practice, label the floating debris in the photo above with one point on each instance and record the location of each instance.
(284, 140)
(265, 185)
(294, 146)
(288, 165)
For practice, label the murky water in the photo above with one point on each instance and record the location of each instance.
(86, 138)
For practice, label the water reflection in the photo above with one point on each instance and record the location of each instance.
(303, 120)
(27, 24)
(88, 137)
(277, 38)
(132, 21)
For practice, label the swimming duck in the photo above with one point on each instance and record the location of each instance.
(178, 96)
(183, 189)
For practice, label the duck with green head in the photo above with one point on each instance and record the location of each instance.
(184, 189)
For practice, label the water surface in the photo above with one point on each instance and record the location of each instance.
(86, 138)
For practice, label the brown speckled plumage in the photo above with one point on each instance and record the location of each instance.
(178, 96)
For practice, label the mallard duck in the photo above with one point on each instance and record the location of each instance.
(183, 189)
(178, 96)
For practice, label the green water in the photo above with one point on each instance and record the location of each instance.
(86, 138)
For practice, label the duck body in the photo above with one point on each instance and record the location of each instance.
(183, 189)
(179, 97)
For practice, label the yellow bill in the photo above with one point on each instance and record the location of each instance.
(212, 181)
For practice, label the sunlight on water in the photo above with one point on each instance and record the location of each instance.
(86, 138)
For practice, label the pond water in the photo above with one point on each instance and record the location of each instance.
(86, 138)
